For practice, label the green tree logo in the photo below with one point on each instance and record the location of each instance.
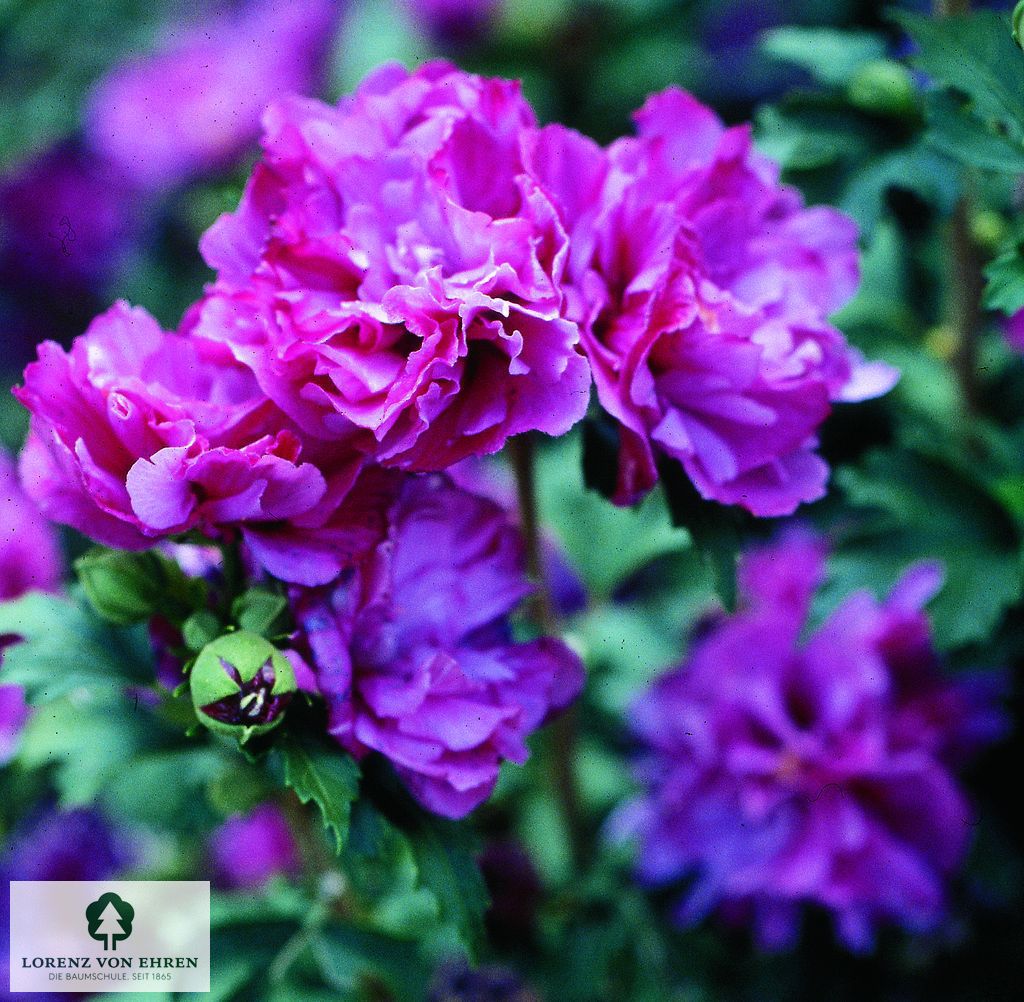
(110, 919)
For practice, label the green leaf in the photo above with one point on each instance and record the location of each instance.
(325, 775)
(975, 56)
(260, 611)
(628, 538)
(237, 787)
(87, 737)
(918, 507)
(126, 588)
(181, 775)
(446, 855)
(804, 139)
(65, 645)
(714, 528)
(917, 169)
(1005, 287)
(348, 957)
(829, 55)
(200, 629)
(956, 131)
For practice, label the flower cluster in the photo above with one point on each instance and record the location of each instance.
(419, 273)
(412, 277)
(413, 655)
(779, 772)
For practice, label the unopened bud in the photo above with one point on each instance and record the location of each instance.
(241, 685)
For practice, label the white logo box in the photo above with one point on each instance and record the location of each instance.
(110, 936)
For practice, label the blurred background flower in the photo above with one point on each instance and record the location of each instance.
(781, 771)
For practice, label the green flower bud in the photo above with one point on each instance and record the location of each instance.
(1017, 21)
(126, 588)
(988, 228)
(883, 86)
(122, 587)
(241, 685)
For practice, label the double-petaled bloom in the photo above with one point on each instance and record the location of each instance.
(779, 771)
(412, 650)
(393, 275)
(702, 288)
(139, 434)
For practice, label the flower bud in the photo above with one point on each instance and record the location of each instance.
(1017, 22)
(126, 588)
(241, 685)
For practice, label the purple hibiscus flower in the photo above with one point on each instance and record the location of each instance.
(702, 287)
(392, 276)
(138, 435)
(779, 771)
(195, 104)
(412, 653)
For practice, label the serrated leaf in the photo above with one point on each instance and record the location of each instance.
(974, 54)
(325, 776)
(958, 132)
(65, 645)
(976, 57)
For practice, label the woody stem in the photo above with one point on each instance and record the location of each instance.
(563, 731)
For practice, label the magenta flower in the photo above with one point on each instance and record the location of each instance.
(412, 653)
(248, 849)
(780, 771)
(1014, 331)
(29, 554)
(702, 286)
(392, 275)
(195, 104)
(138, 435)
